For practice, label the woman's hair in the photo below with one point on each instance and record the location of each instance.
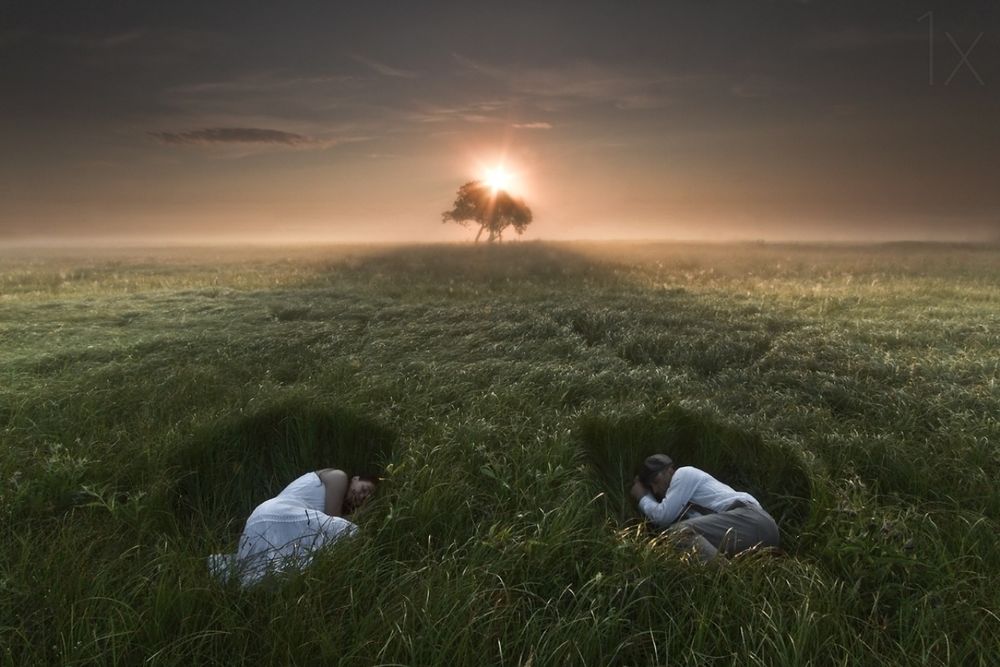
(374, 480)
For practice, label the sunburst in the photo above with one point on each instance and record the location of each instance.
(498, 178)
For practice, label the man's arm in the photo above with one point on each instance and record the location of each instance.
(678, 495)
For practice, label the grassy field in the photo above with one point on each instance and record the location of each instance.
(149, 399)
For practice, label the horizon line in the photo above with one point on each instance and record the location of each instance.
(106, 243)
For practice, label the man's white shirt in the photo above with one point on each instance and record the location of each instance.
(690, 485)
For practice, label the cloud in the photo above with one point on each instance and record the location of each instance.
(757, 87)
(641, 101)
(533, 126)
(307, 102)
(260, 82)
(386, 70)
(474, 112)
(99, 42)
(241, 135)
(579, 82)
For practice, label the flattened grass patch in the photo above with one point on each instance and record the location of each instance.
(230, 467)
(615, 446)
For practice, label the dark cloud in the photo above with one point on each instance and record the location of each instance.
(240, 135)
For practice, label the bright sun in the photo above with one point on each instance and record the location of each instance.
(498, 178)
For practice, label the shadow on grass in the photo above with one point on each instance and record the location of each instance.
(641, 324)
(615, 446)
(483, 265)
(232, 466)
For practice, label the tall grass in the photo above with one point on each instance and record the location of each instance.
(149, 401)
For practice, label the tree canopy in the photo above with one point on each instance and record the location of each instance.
(493, 210)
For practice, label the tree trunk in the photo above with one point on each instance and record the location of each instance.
(481, 228)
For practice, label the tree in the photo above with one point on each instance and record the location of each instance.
(493, 210)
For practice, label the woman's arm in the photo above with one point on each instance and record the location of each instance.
(335, 482)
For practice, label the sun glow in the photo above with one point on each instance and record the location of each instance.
(498, 178)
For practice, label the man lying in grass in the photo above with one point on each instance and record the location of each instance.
(705, 514)
(284, 532)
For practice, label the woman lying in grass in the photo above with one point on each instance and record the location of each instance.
(284, 532)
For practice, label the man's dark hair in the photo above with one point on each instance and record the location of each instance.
(652, 467)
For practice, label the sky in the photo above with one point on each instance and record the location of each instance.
(254, 122)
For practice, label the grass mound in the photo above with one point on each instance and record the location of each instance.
(230, 467)
(615, 446)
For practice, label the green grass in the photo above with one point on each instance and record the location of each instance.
(149, 399)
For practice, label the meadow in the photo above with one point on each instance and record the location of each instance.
(150, 398)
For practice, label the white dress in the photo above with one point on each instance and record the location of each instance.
(283, 533)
